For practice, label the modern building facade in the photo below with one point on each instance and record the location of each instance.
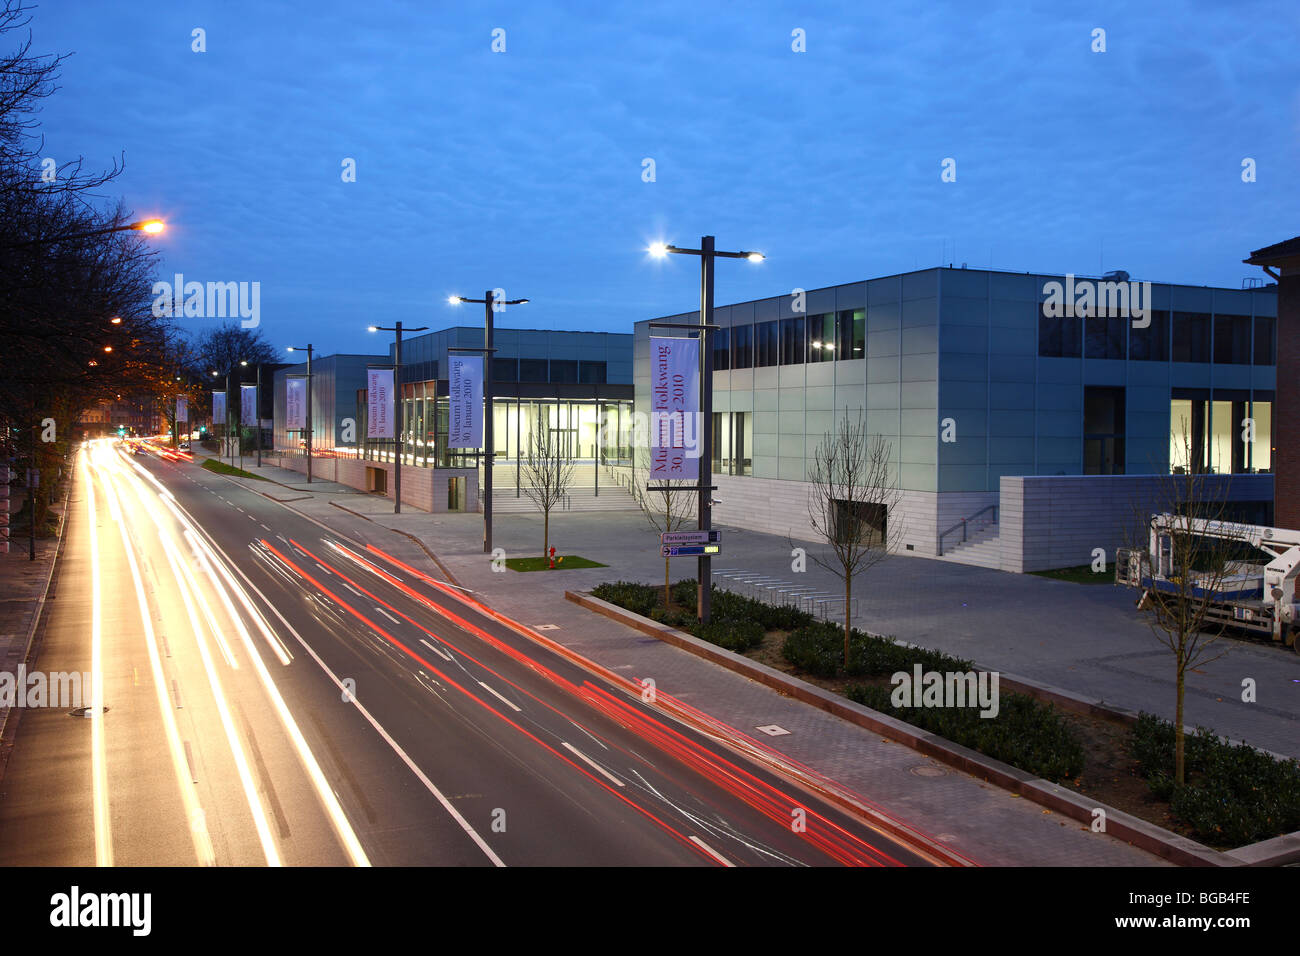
(569, 383)
(981, 381)
(334, 383)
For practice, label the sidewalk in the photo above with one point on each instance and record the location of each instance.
(23, 585)
(985, 822)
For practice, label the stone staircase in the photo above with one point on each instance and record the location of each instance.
(982, 548)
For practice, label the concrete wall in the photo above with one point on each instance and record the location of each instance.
(1056, 522)
(781, 508)
(1043, 521)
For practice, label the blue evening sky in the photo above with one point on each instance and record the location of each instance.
(523, 169)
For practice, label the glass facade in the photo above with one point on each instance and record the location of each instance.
(588, 430)
(1221, 432)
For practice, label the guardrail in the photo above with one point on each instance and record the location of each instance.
(963, 524)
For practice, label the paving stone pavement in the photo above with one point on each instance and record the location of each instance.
(22, 586)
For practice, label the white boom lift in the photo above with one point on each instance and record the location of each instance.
(1258, 597)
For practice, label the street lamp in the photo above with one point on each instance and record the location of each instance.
(489, 447)
(308, 430)
(150, 226)
(705, 488)
(397, 424)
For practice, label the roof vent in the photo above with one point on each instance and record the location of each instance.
(1116, 275)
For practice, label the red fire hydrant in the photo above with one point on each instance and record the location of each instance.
(552, 558)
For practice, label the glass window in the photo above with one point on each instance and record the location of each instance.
(1104, 336)
(821, 338)
(792, 342)
(1103, 430)
(732, 434)
(742, 346)
(1265, 340)
(851, 334)
(1191, 338)
(532, 370)
(1189, 415)
(592, 373)
(1261, 449)
(1222, 433)
(1232, 339)
(765, 350)
(1059, 336)
(1151, 344)
(564, 370)
(721, 349)
(505, 370)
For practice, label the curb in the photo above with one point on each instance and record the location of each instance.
(41, 604)
(446, 572)
(286, 504)
(1138, 832)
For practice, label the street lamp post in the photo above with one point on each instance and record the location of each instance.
(308, 429)
(705, 487)
(489, 447)
(258, 422)
(151, 226)
(230, 414)
(397, 408)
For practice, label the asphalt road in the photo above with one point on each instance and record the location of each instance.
(277, 694)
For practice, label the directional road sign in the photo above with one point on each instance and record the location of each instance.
(691, 537)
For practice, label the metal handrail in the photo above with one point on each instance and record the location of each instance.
(963, 522)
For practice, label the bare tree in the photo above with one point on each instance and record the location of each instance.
(224, 347)
(1188, 550)
(852, 504)
(547, 473)
(667, 510)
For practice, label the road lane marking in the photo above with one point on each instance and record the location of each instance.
(711, 852)
(441, 653)
(589, 762)
(509, 703)
(199, 835)
(99, 769)
(334, 810)
(370, 719)
(208, 559)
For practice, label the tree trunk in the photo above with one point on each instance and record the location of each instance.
(546, 536)
(848, 627)
(1179, 769)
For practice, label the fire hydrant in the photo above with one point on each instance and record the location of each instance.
(552, 558)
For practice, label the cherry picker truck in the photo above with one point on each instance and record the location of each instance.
(1255, 596)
